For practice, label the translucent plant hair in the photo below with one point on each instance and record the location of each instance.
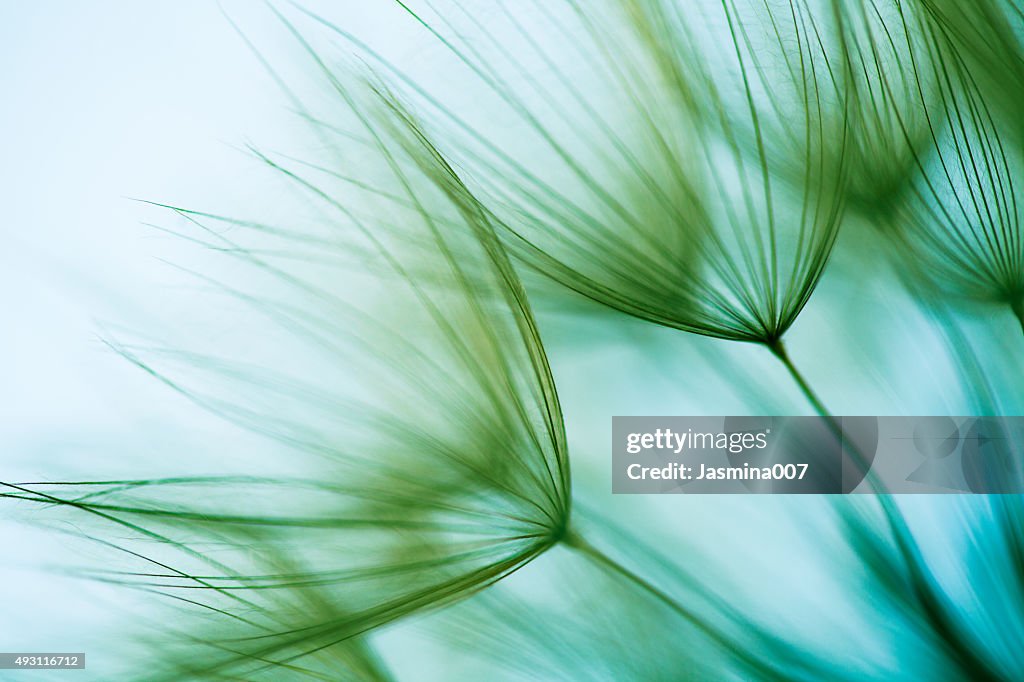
(694, 183)
(961, 224)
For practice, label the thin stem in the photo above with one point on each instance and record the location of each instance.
(578, 543)
(859, 460)
(928, 596)
(779, 350)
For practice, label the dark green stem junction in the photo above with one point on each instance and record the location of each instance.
(1018, 310)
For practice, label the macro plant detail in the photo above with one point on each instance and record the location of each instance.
(685, 187)
(697, 166)
(958, 219)
(879, 47)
